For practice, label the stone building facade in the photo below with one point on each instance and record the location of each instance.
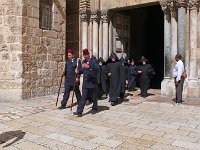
(105, 26)
(32, 47)
(35, 33)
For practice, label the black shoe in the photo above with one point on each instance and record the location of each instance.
(62, 107)
(77, 114)
(93, 112)
(88, 102)
(112, 103)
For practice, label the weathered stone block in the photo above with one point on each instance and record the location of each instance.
(10, 20)
(15, 47)
(6, 76)
(35, 12)
(57, 58)
(25, 21)
(26, 40)
(34, 22)
(29, 31)
(16, 66)
(4, 66)
(37, 32)
(5, 56)
(47, 65)
(47, 82)
(36, 40)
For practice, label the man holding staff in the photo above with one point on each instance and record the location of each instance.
(71, 78)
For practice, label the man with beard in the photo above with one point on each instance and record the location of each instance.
(114, 74)
(145, 71)
(89, 70)
(70, 78)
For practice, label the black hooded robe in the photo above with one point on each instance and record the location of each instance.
(102, 79)
(144, 78)
(114, 69)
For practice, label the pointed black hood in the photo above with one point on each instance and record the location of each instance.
(113, 55)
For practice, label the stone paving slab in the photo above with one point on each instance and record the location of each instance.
(136, 124)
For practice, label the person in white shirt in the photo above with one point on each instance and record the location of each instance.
(178, 79)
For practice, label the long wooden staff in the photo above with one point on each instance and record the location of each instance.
(74, 84)
(59, 89)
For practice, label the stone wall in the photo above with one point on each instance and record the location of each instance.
(30, 58)
(10, 49)
(43, 51)
(198, 45)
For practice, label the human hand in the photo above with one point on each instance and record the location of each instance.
(76, 70)
(109, 74)
(77, 79)
(85, 65)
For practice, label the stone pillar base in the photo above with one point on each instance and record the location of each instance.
(167, 87)
(191, 88)
(12, 94)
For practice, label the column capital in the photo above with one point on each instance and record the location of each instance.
(105, 16)
(84, 14)
(182, 3)
(95, 15)
(193, 4)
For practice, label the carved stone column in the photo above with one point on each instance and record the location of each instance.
(193, 83)
(167, 38)
(174, 30)
(84, 24)
(193, 39)
(167, 84)
(95, 20)
(105, 20)
(110, 35)
(182, 5)
(100, 39)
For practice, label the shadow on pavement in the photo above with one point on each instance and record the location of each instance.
(6, 136)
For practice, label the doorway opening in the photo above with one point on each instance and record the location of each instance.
(147, 38)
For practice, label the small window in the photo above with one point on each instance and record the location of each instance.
(45, 16)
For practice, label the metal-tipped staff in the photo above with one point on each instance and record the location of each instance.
(59, 89)
(74, 83)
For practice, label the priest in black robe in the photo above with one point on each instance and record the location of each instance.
(132, 76)
(114, 74)
(102, 78)
(124, 74)
(145, 71)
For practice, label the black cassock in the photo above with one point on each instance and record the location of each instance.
(114, 91)
(102, 80)
(132, 75)
(147, 71)
(123, 76)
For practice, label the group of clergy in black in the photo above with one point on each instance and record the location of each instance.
(103, 78)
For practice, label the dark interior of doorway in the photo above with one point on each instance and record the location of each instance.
(147, 38)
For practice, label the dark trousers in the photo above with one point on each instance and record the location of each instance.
(179, 90)
(68, 89)
(93, 94)
(132, 83)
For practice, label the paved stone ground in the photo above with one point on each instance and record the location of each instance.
(136, 124)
